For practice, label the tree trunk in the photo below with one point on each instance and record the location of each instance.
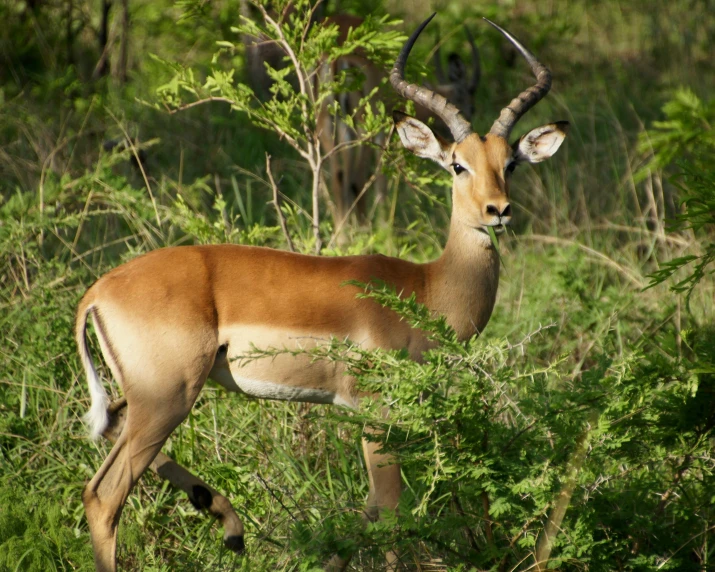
(102, 67)
(124, 49)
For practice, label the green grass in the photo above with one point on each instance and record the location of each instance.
(590, 227)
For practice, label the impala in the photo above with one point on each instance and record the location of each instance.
(168, 320)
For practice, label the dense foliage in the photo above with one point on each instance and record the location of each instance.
(576, 431)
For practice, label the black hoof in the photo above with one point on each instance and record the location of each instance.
(234, 543)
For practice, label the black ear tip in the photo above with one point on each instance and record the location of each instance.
(398, 116)
(564, 126)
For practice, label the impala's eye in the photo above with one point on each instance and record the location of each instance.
(458, 168)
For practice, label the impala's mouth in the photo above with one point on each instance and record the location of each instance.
(498, 228)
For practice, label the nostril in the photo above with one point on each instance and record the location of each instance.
(506, 211)
(492, 210)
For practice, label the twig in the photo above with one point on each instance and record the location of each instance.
(274, 495)
(527, 337)
(124, 46)
(312, 154)
(467, 530)
(277, 205)
(676, 480)
(106, 41)
(684, 545)
(315, 192)
(518, 535)
(365, 187)
(132, 146)
(485, 500)
(553, 525)
(198, 102)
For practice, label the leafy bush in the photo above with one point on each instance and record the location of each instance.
(508, 463)
(688, 137)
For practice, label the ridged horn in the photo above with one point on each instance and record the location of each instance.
(434, 102)
(526, 99)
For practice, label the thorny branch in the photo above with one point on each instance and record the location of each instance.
(553, 525)
(280, 132)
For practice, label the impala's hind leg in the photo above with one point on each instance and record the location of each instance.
(153, 412)
(201, 495)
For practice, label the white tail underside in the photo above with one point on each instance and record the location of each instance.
(97, 417)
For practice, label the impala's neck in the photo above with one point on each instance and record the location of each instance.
(462, 283)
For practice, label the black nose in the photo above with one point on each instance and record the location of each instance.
(494, 211)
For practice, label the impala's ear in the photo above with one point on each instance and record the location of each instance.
(421, 140)
(540, 143)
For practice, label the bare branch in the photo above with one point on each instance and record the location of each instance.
(141, 167)
(186, 106)
(365, 187)
(280, 132)
(304, 90)
(277, 205)
(312, 153)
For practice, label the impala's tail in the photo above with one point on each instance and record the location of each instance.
(97, 417)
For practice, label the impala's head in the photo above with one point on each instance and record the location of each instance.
(480, 166)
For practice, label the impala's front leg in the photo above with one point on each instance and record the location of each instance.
(385, 480)
(385, 489)
(201, 495)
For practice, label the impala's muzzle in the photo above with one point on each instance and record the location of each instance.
(497, 215)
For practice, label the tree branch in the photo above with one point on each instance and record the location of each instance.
(277, 205)
(553, 525)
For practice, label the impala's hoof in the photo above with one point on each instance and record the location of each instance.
(235, 543)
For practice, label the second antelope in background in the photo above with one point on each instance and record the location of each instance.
(352, 156)
(352, 169)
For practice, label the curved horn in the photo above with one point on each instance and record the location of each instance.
(476, 64)
(428, 99)
(526, 99)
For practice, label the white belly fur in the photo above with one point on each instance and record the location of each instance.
(268, 390)
(281, 377)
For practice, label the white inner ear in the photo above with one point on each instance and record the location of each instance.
(420, 139)
(540, 143)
